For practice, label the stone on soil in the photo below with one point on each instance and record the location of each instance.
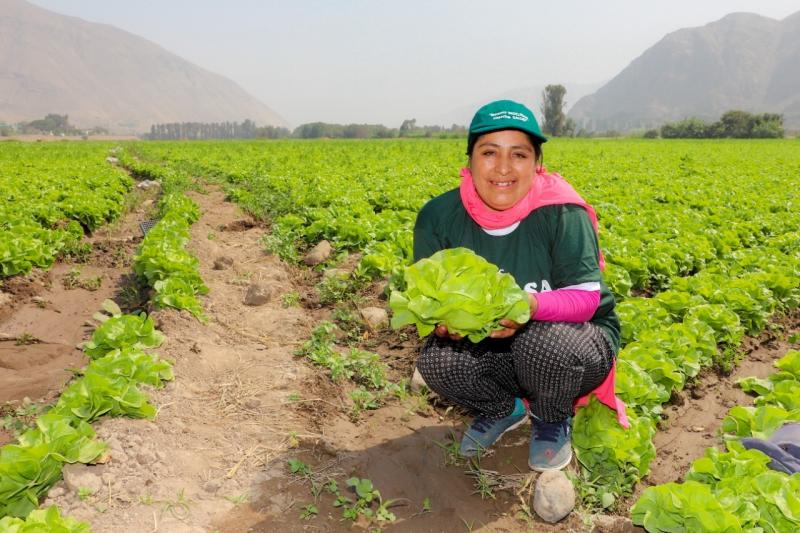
(318, 254)
(614, 524)
(148, 184)
(258, 294)
(418, 382)
(222, 263)
(554, 496)
(375, 317)
(78, 476)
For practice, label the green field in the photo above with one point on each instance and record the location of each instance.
(702, 241)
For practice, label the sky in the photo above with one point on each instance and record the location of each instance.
(377, 61)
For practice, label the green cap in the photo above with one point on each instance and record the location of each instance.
(504, 115)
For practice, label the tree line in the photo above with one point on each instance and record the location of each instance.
(51, 124)
(312, 130)
(731, 125)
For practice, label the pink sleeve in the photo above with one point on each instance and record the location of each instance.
(566, 305)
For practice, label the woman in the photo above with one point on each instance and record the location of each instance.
(534, 226)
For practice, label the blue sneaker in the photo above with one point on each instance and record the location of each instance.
(551, 445)
(484, 432)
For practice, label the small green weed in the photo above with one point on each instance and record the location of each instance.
(290, 299)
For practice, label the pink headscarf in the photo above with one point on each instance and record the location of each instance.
(548, 189)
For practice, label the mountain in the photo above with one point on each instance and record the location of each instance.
(530, 96)
(100, 75)
(742, 61)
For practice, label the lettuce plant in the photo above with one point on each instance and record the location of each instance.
(461, 290)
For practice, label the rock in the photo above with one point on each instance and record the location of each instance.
(223, 262)
(112, 160)
(318, 254)
(418, 382)
(258, 294)
(212, 485)
(375, 317)
(145, 457)
(55, 492)
(148, 184)
(613, 524)
(39, 300)
(554, 496)
(339, 273)
(78, 476)
(252, 403)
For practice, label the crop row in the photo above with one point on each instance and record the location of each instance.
(736, 490)
(701, 238)
(109, 385)
(50, 195)
(163, 261)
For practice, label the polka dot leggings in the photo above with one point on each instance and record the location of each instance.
(550, 363)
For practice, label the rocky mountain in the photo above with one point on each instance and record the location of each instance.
(100, 75)
(742, 61)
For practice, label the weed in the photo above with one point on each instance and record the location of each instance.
(290, 299)
(298, 468)
(238, 499)
(78, 252)
(363, 400)
(72, 280)
(178, 508)
(211, 236)
(426, 505)
(333, 289)
(25, 338)
(483, 484)
(309, 511)
(294, 397)
(450, 450)
(84, 493)
(367, 494)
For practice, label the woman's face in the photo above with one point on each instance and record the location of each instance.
(503, 164)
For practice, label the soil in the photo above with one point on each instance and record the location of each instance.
(242, 405)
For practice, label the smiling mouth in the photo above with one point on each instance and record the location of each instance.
(503, 184)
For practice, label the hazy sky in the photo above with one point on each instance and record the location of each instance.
(379, 61)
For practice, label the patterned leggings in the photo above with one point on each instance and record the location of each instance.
(550, 363)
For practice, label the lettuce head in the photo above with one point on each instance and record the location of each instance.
(460, 289)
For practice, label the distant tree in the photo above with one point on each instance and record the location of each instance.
(555, 122)
(407, 127)
(732, 124)
(52, 123)
(736, 124)
(650, 134)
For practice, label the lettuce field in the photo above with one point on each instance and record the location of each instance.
(701, 240)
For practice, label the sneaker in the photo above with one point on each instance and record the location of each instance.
(484, 432)
(551, 445)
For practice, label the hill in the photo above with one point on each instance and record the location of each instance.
(103, 76)
(742, 61)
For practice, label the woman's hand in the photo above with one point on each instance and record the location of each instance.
(509, 326)
(441, 331)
